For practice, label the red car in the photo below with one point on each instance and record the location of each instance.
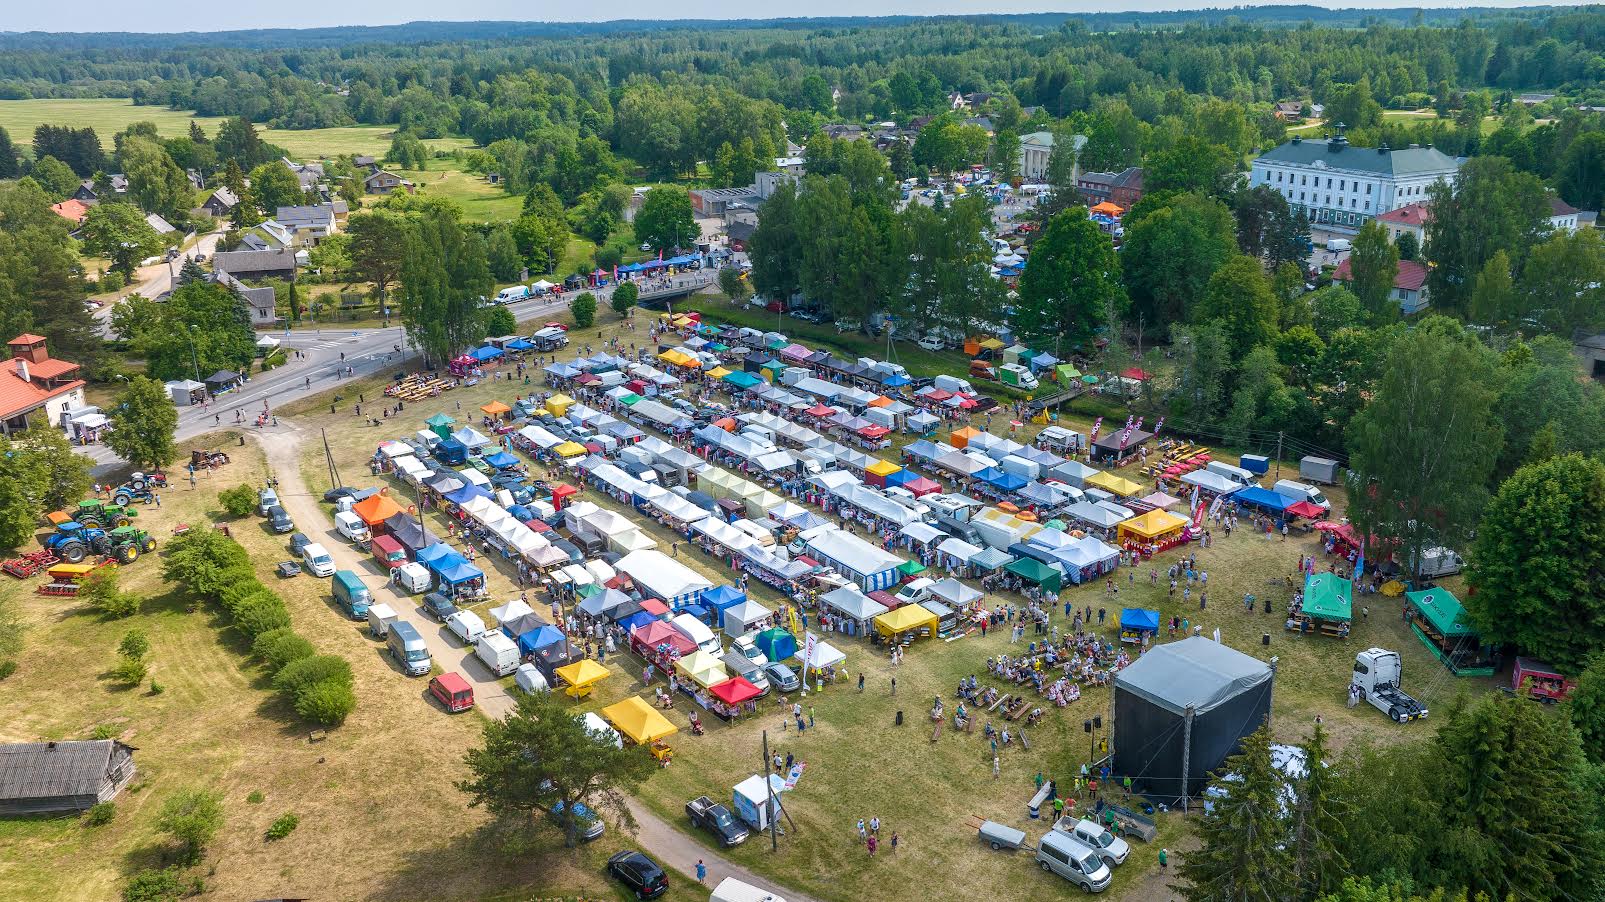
(452, 691)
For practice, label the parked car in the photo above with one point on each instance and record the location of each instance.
(641, 874)
(438, 606)
(280, 520)
(299, 541)
(265, 499)
(782, 676)
(590, 825)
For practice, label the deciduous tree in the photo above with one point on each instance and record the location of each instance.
(1073, 283)
(1173, 246)
(119, 233)
(1240, 299)
(1375, 265)
(144, 424)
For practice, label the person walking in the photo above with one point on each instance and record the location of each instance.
(894, 685)
(863, 834)
(1164, 859)
(702, 872)
(861, 681)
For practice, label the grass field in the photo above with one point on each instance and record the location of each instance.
(110, 115)
(860, 764)
(480, 200)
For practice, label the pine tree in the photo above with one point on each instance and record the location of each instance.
(1244, 857)
(1317, 823)
(190, 272)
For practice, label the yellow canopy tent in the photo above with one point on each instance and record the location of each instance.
(671, 356)
(639, 721)
(991, 344)
(904, 619)
(1113, 484)
(495, 408)
(960, 438)
(680, 321)
(581, 676)
(569, 449)
(882, 468)
(702, 668)
(559, 404)
(718, 372)
(1152, 526)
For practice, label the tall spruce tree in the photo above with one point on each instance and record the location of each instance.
(1244, 856)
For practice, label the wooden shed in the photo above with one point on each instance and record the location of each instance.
(44, 777)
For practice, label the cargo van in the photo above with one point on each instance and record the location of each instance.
(351, 526)
(452, 691)
(408, 648)
(1302, 492)
(352, 596)
(388, 552)
(412, 578)
(498, 652)
(1235, 474)
(515, 293)
(1109, 847)
(742, 666)
(315, 558)
(698, 633)
(466, 625)
(1060, 853)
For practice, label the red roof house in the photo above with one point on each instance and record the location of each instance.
(1409, 286)
(35, 380)
(71, 209)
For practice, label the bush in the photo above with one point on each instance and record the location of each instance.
(112, 281)
(328, 703)
(104, 731)
(255, 798)
(239, 501)
(121, 604)
(298, 676)
(130, 671)
(260, 613)
(99, 815)
(134, 645)
(237, 590)
(98, 589)
(584, 310)
(156, 688)
(279, 647)
(166, 885)
(192, 817)
(283, 827)
(7, 668)
(274, 360)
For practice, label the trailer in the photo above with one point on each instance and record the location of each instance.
(998, 836)
(1320, 470)
(1376, 679)
(1133, 824)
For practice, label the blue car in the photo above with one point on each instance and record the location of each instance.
(590, 826)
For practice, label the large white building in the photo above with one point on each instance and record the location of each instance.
(1035, 150)
(1340, 187)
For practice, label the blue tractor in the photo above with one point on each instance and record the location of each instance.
(72, 542)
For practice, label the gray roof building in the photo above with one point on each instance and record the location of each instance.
(1341, 187)
(1338, 153)
(41, 777)
(279, 263)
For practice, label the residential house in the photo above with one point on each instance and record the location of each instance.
(984, 123)
(341, 210)
(36, 381)
(310, 223)
(1123, 188)
(72, 775)
(196, 180)
(278, 263)
(220, 203)
(977, 99)
(956, 101)
(739, 233)
(1340, 187)
(795, 165)
(381, 182)
(262, 302)
(161, 226)
(363, 161)
(266, 235)
(1290, 110)
(1412, 218)
(1588, 219)
(71, 209)
(842, 132)
(1534, 99)
(1409, 286)
(1563, 217)
(308, 174)
(86, 189)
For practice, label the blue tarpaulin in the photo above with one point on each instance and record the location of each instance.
(1139, 619)
(1264, 499)
(519, 344)
(432, 553)
(488, 352)
(466, 494)
(721, 597)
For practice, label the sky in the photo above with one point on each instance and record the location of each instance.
(173, 15)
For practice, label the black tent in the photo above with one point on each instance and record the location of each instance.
(412, 535)
(1181, 710)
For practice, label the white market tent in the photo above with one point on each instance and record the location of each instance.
(663, 577)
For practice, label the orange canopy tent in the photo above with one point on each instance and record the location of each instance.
(495, 408)
(1108, 209)
(375, 509)
(961, 437)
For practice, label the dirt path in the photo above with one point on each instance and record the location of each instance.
(664, 841)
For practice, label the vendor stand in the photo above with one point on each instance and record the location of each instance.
(1328, 606)
(725, 699)
(1138, 626)
(1440, 622)
(582, 677)
(1541, 682)
(642, 725)
(1152, 532)
(1036, 573)
(907, 623)
(776, 644)
(660, 644)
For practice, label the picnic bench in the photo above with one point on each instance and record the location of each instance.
(1000, 700)
(1016, 708)
(1043, 796)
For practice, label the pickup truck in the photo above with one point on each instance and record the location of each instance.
(716, 819)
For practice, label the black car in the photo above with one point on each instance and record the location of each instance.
(338, 492)
(281, 521)
(640, 873)
(438, 606)
(298, 542)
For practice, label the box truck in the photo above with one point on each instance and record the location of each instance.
(498, 652)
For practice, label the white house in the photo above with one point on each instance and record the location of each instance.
(1563, 217)
(1341, 187)
(1036, 148)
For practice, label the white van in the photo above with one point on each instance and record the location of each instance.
(1110, 847)
(1302, 492)
(466, 625)
(351, 526)
(412, 578)
(1339, 245)
(1062, 854)
(514, 293)
(732, 890)
(698, 633)
(1234, 473)
(315, 558)
(498, 652)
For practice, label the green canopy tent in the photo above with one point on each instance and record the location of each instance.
(440, 424)
(1067, 373)
(911, 568)
(1440, 622)
(1034, 571)
(1328, 596)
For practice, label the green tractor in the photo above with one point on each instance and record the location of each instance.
(98, 514)
(127, 543)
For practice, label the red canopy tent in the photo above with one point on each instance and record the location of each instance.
(1134, 372)
(654, 607)
(1307, 510)
(537, 525)
(938, 395)
(874, 432)
(922, 486)
(735, 690)
(587, 378)
(821, 411)
(647, 637)
(561, 493)
(636, 385)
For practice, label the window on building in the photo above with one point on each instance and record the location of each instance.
(1368, 206)
(1368, 189)
(1304, 180)
(1343, 184)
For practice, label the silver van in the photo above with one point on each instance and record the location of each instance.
(1110, 847)
(408, 648)
(1060, 853)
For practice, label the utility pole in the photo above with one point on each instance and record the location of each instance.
(1186, 753)
(1278, 455)
(769, 794)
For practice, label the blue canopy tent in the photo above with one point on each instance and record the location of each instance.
(1263, 499)
(466, 494)
(488, 352)
(431, 553)
(742, 379)
(988, 474)
(900, 477)
(639, 618)
(720, 597)
(896, 380)
(1043, 361)
(519, 344)
(1008, 482)
(776, 644)
(442, 562)
(521, 513)
(501, 460)
(459, 573)
(539, 638)
(1138, 621)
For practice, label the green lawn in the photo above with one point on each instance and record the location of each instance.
(111, 115)
(480, 200)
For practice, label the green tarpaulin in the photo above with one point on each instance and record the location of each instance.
(1442, 609)
(1067, 373)
(742, 380)
(1329, 597)
(911, 568)
(1034, 571)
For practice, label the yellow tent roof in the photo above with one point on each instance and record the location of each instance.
(639, 721)
(559, 404)
(991, 344)
(569, 449)
(1109, 482)
(718, 372)
(908, 617)
(582, 673)
(495, 408)
(882, 468)
(671, 356)
(704, 669)
(1153, 524)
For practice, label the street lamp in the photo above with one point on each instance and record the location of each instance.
(195, 330)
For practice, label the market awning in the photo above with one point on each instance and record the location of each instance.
(1154, 524)
(495, 408)
(735, 690)
(1034, 571)
(1328, 596)
(638, 720)
(905, 619)
(582, 673)
(1443, 610)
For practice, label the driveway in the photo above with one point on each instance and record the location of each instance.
(664, 841)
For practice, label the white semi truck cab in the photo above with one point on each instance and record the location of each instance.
(1377, 673)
